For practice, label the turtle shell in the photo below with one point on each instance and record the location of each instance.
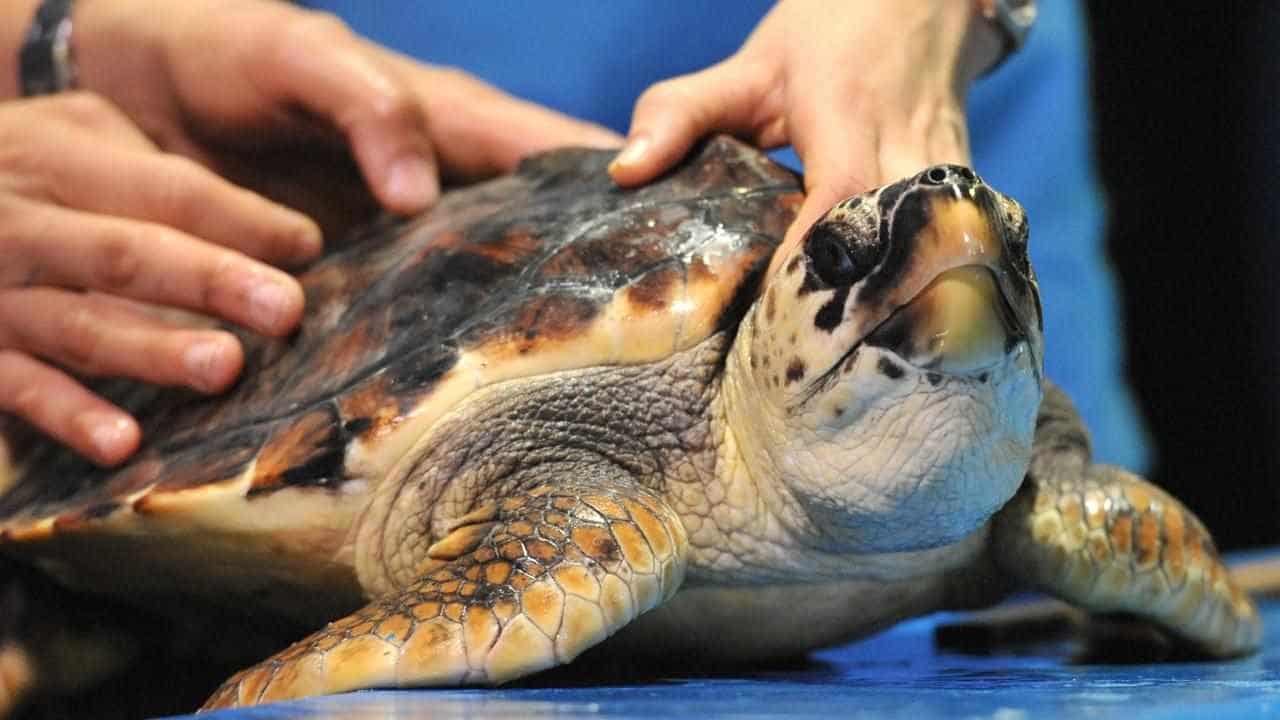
(551, 268)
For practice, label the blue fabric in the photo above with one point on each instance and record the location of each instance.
(1029, 124)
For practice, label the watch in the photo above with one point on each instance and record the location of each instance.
(1013, 18)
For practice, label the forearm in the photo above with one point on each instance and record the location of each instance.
(15, 20)
(953, 39)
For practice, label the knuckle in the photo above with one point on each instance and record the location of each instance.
(218, 280)
(26, 167)
(680, 92)
(662, 95)
(394, 106)
(389, 104)
(184, 195)
(22, 267)
(21, 157)
(311, 30)
(322, 25)
(26, 402)
(675, 99)
(116, 265)
(86, 109)
(10, 363)
(80, 338)
(17, 393)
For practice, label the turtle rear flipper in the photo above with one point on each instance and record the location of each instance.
(1112, 543)
(518, 586)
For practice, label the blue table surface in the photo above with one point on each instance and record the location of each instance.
(896, 674)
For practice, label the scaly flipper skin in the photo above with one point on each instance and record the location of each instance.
(520, 585)
(1108, 541)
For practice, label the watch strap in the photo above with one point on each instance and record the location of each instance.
(45, 62)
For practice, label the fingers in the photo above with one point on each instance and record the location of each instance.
(839, 161)
(738, 96)
(176, 192)
(57, 246)
(79, 151)
(88, 203)
(85, 203)
(97, 335)
(323, 67)
(91, 335)
(843, 161)
(480, 131)
(59, 406)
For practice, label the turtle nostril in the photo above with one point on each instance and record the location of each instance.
(950, 174)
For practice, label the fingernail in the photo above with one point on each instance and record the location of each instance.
(308, 239)
(411, 183)
(633, 153)
(112, 435)
(269, 307)
(203, 362)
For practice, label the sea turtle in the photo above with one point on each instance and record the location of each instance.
(550, 411)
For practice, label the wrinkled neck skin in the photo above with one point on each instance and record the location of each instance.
(900, 483)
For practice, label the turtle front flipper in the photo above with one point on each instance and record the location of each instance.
(1110, 542)
(520, 585)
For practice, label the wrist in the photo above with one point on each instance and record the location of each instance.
(103, 39)
(15, 21)
(119, 51)
(108, 43)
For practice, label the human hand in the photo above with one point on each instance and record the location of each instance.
(867, 92)
(278, 98)
(92, 218)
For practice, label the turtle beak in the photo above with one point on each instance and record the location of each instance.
(968, 299)
(960, 324)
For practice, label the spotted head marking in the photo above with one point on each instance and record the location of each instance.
(897, 357)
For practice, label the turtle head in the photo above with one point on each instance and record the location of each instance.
(890, 372)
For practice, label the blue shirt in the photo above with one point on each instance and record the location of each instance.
(1029, 131)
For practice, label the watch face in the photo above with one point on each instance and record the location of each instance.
(1016, 17)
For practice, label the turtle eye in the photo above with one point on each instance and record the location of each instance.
(832, 259)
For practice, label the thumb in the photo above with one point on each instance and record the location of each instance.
(734, 96)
